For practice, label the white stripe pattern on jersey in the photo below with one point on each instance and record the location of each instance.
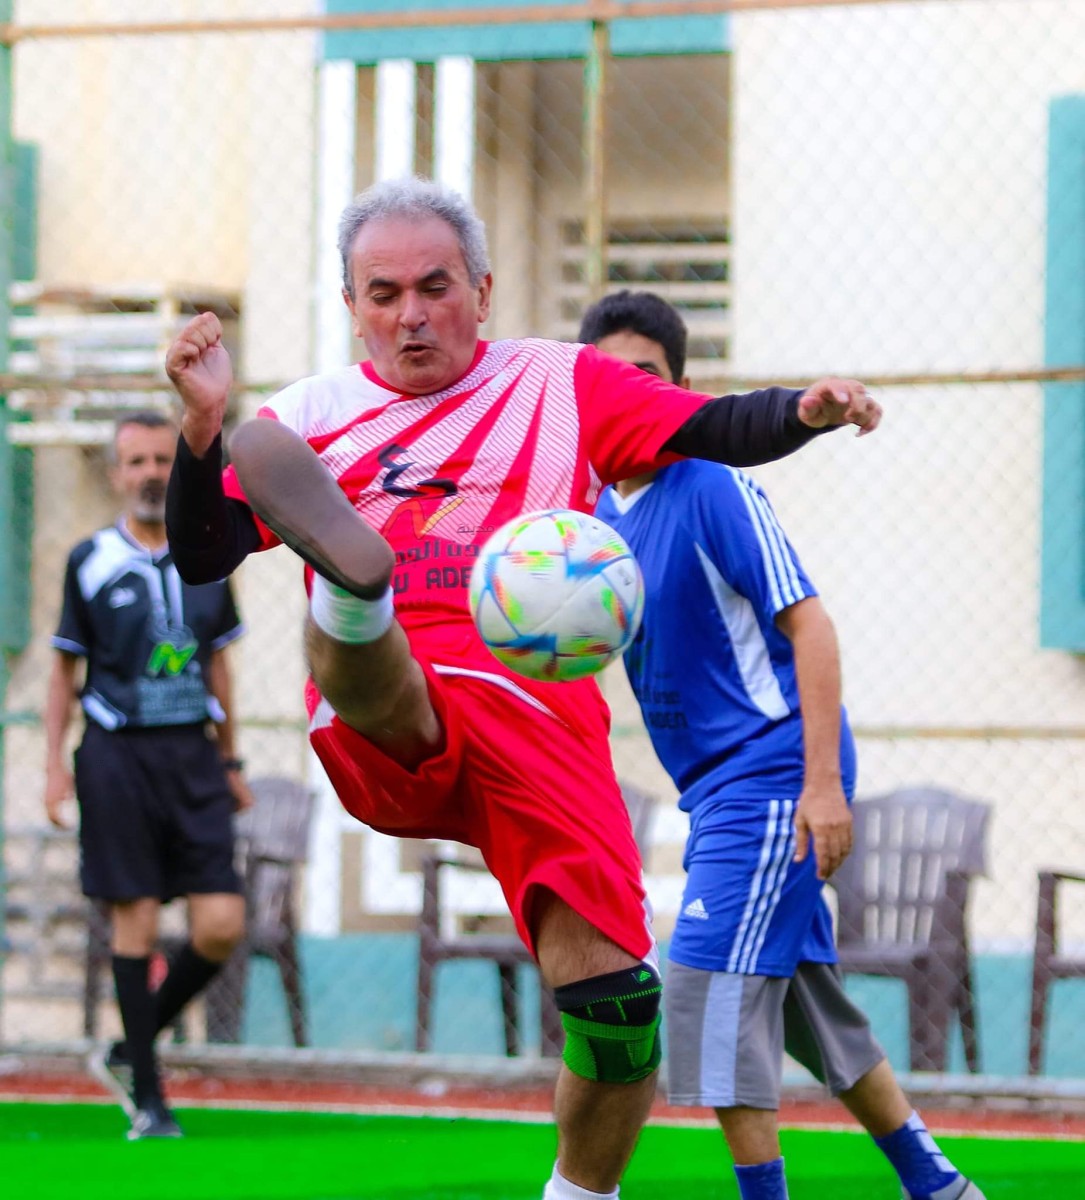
(779, 563)
(113, 557)
(777, 845)
(751, 651)
(107, 562)
(539, 370)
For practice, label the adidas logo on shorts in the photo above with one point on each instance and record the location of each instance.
(696, 909)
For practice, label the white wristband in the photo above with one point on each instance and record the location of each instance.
(346, 617)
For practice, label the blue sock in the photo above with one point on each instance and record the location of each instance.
(924, 1170)
(765, 1181)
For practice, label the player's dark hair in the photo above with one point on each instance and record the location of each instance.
(639, 312)
(415, 199)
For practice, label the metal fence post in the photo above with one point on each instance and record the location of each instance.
(595, 163)
(7, 482)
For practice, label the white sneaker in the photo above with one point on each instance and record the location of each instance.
(971, 1192)
(154, 1122)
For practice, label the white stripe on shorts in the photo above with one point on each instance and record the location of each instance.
(765, 888)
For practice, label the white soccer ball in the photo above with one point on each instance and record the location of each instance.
(556, 595)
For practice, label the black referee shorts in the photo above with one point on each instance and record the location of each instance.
(156, 814)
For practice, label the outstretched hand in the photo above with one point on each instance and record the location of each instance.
(199, 368)
(839, 402)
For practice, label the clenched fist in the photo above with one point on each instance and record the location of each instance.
(199, 368)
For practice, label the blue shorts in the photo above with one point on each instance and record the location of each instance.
(748, 907)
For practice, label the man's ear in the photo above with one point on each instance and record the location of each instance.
(485, 291)
(355, 324)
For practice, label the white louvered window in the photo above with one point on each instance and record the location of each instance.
(686, 262)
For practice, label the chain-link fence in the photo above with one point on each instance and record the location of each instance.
(893, 191)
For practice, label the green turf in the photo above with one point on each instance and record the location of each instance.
(78, 1152)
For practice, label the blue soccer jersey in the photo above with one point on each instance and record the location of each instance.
(714, 677)
(716, 684)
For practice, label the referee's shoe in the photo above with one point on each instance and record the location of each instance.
(155, 1121)
(113, 1069)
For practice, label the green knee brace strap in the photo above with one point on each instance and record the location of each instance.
(612, 1025)
(611, 1053)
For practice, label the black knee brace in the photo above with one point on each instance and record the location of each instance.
(612, 1024)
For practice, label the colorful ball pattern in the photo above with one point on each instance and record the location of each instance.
(556, 595)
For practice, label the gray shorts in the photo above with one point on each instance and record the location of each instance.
(727, 1034)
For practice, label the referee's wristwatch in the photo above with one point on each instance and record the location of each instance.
(233, 764)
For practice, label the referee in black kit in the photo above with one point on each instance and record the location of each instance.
(156, 775)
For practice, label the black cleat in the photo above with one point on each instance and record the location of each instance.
(113, 1070)
(295, 494)
(155, 1121)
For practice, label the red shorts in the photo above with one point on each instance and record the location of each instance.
(525, 775)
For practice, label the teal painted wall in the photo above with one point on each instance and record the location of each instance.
(499, 43)
(354, 1006)
(17, 464)
(1062, 565)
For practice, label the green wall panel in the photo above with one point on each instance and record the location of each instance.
(497, 43)
(1062, 591)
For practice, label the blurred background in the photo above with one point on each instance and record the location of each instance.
(891, 190)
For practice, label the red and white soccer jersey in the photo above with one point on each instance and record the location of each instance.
(526, 771)
(532, 425)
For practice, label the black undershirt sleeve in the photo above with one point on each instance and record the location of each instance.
(209, 533)
(745, 430)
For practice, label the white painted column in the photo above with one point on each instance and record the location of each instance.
(395, 117)
(454, 124)
(338, 84)
(336, 186)
(337, 87)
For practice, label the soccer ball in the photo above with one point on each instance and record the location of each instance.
(556, 595)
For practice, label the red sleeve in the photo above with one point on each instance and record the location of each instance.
(627, 415)
(231, 485)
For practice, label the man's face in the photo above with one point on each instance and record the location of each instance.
(414, 306)
(142, 470)
(642, 352)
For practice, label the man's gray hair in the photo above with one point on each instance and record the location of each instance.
(416, 199)
(145, 418)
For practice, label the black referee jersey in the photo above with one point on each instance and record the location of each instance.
(146, 635)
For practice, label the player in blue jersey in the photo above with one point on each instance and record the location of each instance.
(737, 673)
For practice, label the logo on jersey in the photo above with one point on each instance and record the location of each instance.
(172, 652)
(426, 504)
(389, 458)
(121, 597)
(168, 659)
(696, 910)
